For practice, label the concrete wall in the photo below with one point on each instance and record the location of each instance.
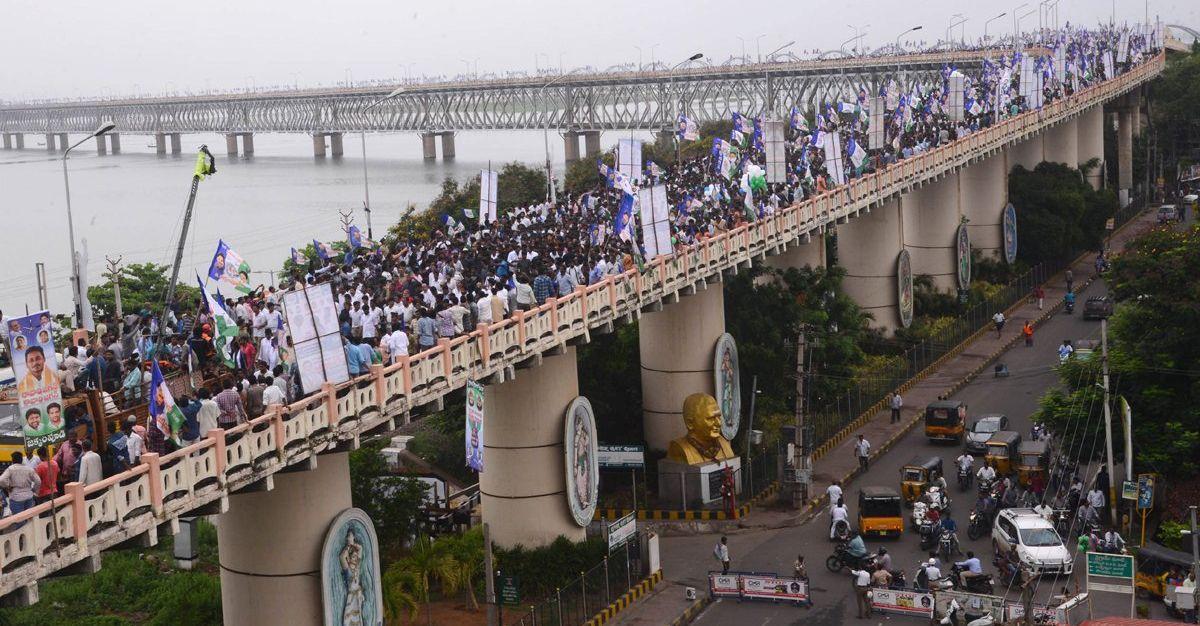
(983, 194)
(811, 254)
(523, 485)
(931, 218)
(867, 248)
(1062, 144)
(1027, 154)
(1089, 143)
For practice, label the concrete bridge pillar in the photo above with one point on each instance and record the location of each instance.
(160, 143)
(591, 143)
(1090, 143)
(984, 194)
(114, 143)
(20, 141)
(101, 145)
(50, 142)
(63, 142)
(429, 146)
(868, 248)
(318, 146)
(270, 545)
(7, 139)
(248, 144)
(231, 147)
(931, 218)
(523, 485)
(677, 346)
(1125, 154)
(335, 145)
(1027, 154)
(1062, 144)
(811, 254)
(571, 146)
(448, 146)
(176, 148)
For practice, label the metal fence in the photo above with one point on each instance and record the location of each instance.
(590, 592)
(679, 491)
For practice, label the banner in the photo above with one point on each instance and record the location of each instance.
(629, 157)
(955, 104)
(488, 193)
(724, 585)
(656, 221)
(902, 601)
(875, 124)
(774, 588)
(474, 429)
(164, 415)
(228, 267)
(688, 130)
(312, 319)
(971, 603)
(833, 159)
(774, 145)
(35, 368)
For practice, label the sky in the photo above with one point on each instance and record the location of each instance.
(78, 48)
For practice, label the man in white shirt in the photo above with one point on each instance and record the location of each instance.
(862, 450)
(272, 394)
(91, 468)
(986, 473)
(484, 306)
(835, 492)
(965, 462)
(837, 513)
(862, 584)
(209, 411)
(397, 344)
(370, 322)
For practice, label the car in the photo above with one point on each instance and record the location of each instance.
(1097, 308)
(982, 430)
(1034, 541)
(1167, 214)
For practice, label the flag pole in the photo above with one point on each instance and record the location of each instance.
(205, 164)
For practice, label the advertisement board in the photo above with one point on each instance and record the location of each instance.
(723, 585)
(770, 587)
(903, 601)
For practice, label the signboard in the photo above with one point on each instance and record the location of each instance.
(1111, 565)
(1110, 223)
(35, 368)
(901, 601)
(728, 385)
(350, 577)
(1041, 614)
(1145, 497)
(963, 253)
(656, 221)
(1129, 490)
(582, 463)
(508, 589)
(311, 316)
(904, 288)
(1009, 222)
(724, 585)
(620, 530)
(474, 427)
(771, 587)
(622, 457)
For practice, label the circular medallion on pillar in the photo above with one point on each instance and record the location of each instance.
(582, 460)
(963, 252)
(904, 288)
(728, 385)
(350, 579)
(1010, 233)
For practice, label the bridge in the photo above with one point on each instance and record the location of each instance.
(572, 104)
(279, 479)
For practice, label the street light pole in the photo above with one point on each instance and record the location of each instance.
(363, 142)
(676, 100)
(898, 49)
(75, 281)
(546, 125)
(985, 26)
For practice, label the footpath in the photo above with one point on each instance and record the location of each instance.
(667, 605)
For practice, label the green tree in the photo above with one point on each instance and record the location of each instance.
(519, 185)
(143, 287)
(393, 502)
(1175, 113)
(1058, 213)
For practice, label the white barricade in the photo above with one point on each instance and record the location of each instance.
(759, 586)
(902, 601)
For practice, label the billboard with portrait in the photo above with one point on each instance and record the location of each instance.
(728, 385)
(35, 368)
(904, 288)
(582, 460)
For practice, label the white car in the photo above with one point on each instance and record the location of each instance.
(1034, 539)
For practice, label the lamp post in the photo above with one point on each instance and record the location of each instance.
(985, 26)
(898, 50)
(671, 89)
(953, 23)
(75, 282)
(1017, 27)
(363, 142)
(771, 54)
(546, 128)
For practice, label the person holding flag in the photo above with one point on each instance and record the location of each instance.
(224, 328)
(166, 419)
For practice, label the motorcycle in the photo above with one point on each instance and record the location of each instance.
(977, 525)
(965, 476)
(1069, 306)
(948, 544)
(1062, 522)
(841, 558)
(938, 499)
(841, 531)
(985, 485)
(964, 581)
(955, 614)
(928, 536)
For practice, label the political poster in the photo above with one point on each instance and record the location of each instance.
(629, 157)
(656, 220)
(230, 268)
(35, 368)
(312, 319)
(164, 414)
(876, 127)
(963, 253)
(488, 194)
(774, 144)
(957, 86)
(474, 428)
(833, 159)
(902, 601)
(1010, 233)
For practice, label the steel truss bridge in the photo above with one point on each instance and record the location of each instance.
(583, 102)
(69, 533)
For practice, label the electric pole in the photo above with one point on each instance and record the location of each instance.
(114, 276)
(1112, 481)
(347, 220)
(804, 464)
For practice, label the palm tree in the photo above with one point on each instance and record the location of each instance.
(430, 561)
(467, 551)
(401, 591)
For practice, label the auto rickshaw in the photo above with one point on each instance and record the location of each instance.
(879, 512)
(1156, 563)
(916, 476)
(1002, 451)
(945, 420)
(1034, 460)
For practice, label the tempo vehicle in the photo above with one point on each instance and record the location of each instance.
(1034, 460)
(880, 512)
(1167, 214)
(982, 430)
(1155, 564)
(1097, 308)
(1033, 540)
(1002, 451)
(916, 476)
(945, 420)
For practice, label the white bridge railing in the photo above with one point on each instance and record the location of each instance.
(86, 520)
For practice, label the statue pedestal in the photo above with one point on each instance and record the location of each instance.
(684, 486)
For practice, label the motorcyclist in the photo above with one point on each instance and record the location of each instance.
(883, 560)
(856, 547)
(1069, 299)
(971, 568)
(837, 513)
(1113, 541)
(987, 473)
(965, 462)
(947, 524)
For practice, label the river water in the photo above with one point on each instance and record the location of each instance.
(131, 205)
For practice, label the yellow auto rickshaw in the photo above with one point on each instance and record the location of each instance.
(945, 420)
(1155, 564)
(880, 512)
(916, 476)
(1034, 459)
(1002, 451)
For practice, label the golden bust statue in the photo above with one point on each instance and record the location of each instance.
(703, 442)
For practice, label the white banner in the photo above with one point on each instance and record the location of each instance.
(955, 101)
(902, 601)
(723, 585)
(876, 126)
(656, 227)
(629, 158)
(488, 193)
(311, 317)
(833, 159)
(774, 143)
(769, 587)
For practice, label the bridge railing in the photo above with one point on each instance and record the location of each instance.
(88, 519)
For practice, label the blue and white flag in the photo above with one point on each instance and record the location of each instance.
(451, 224)
(224, 329)
(798, 121)
(742, 124)
(736, 137)
(324, 250)
(622, 182)
(688, 129)
(623, 224)
(228, 267)
(297, 257)
(354, 238)
(605, 173)
(164, 415)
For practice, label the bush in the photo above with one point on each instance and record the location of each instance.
(544, 569)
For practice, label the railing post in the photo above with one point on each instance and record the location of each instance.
(218, 437)
(447, 366)
(276, 413)
(331, 406)
(154, 475)
(607, 591)
(485, 344)
(583, 593)
(79, 523)
(376, 370)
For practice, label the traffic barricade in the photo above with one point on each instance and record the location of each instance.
(759, 586)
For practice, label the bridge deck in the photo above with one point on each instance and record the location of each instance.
(88, 519)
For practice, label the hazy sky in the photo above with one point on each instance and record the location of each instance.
(73, 48)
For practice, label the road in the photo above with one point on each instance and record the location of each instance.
(774, 550)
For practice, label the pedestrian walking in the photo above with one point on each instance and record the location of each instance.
(896, 402)
(1027, 330)
(862, 584)
(1070, 278)
(862, 450)
(998, 319)
(1040, 295)
(721, 552)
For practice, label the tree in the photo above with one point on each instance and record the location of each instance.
(143, 287)
(392, 502)
(1058, 214)
(519, 185)
(1175, 113)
